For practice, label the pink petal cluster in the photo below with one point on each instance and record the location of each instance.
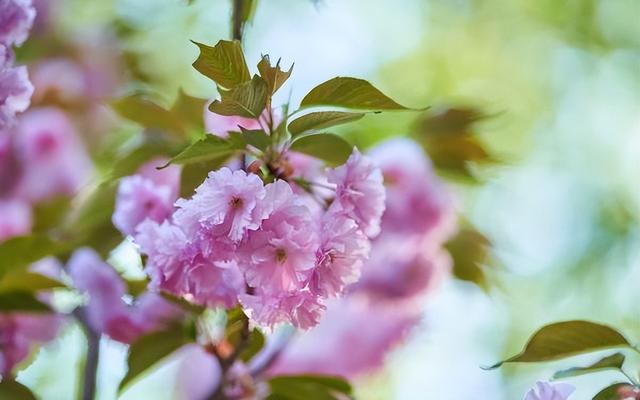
(107, 311)
(238, 239)
(148, 194)
(550, 391)
(16, 18)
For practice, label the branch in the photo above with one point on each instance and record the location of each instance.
(92, 358)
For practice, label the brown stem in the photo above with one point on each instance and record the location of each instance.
(92, 358)
(227, 362)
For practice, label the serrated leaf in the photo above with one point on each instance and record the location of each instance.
(150, 349)
(566, 339)
(469, 250)
(246, 100)
(256, 138)
(13, 390)
(210, 148)
(326, 146)
(26, 281)
(147, 113)
(614, 361)
(320, 120)
(349, 93)
(273, 76)
(224, 63)
(309, 387)
(23, 302)
(611, 392)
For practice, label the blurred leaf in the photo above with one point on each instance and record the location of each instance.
(190, 110)
(451, 121)
(145, 112)
(24, 302)
(136, 287)
(130, 162)
(150, 349)
(321, 120)
(50, 214)
(611, 392)
(273, 76)
(469, 250)
(326, 146)
(246, 100)
(254, 345)
(26, 281)
(614, 361)
(349, 93)
(193, 175)
(184, 304)
(566, 339)
(13, 390)
(224, 63)
(256, 138)
(309, 387)
(19, 252)
(209, 149)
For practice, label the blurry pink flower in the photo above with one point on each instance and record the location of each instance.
(16, 18)
(225, 204)
(139, 199)
(340, 256)
(19, 332)
(281, 255)
(349, 327)
(60, 79)
(360, 192)
(15, 219)
(169, 176)
(53, 160)
(221, 125)
(550, 391)
(15, 89)
(198, 373)
(300, 308)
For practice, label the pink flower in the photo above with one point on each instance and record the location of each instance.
(59, 79)
(225, 204)
(139, 199)
(53, 160)
(16, 18)
(300, 308)
(215, 283)
(281, 255)
(359, 192)
(20, 332)
(169, 176)
(550, 391)
(351, 327)
(15, 88)
(340, 256)
(15, 219)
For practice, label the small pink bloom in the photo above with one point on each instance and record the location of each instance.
(360, 192)
(340, 256)
(550, 391)
(225, 204)
(15, 219)
(300, 308)
(16, 18)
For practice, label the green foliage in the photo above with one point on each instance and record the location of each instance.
(566, 339)
(256, 138)
(26, 281)
(329, 147)
(211, 149)
(349, 93)
(24, 302)
(13, 390)
(610, 392)
(320, 120)
(246, 100)
(309, 387)
(50, 214)
(18, 252)
(147, 113)
(273, 76)
(224, 63)
(614, 361)
(150, 349)
(186, 305)
(189, 109)
(469, 250)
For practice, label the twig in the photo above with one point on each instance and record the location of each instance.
(92, 358)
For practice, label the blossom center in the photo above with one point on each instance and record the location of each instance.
(236, 203)
(281, 255)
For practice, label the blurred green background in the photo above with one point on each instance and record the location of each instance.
(561, 83)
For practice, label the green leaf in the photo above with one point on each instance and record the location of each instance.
(18, 301)
(50, 214)
(254, 345)
(150, 349)
(13, 390)
(326, 146)
(136, 287)
(189, 109)
(147, 113)
(320, 120)
(256, 138)
(129, 163)
(274, 76)
(611, 392)
(469, 250)
(614, 361)
(349, 93)
(309, 387)
(26, 281)
(246, 100)
(224, 63)
(566, 339)
(210, 148)
(19, 252)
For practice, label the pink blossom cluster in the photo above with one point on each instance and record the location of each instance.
(107, 311)
(241, 240)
